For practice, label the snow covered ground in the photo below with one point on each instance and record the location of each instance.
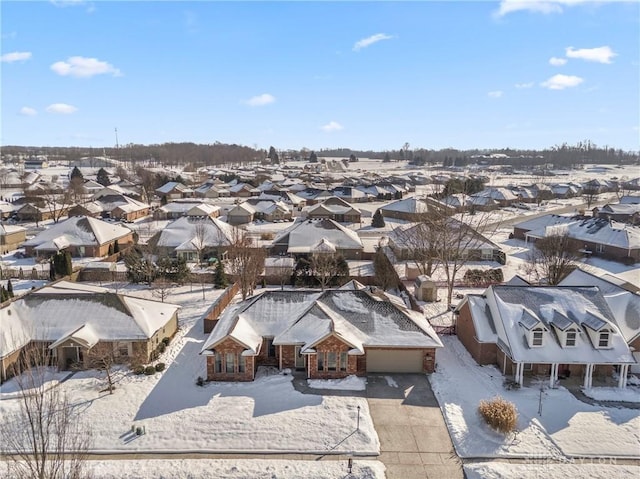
(567, 427)
(596, 469)
(233, 469)
(630, 394)
(266, 415)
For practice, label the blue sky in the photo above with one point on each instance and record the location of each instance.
(300, 74)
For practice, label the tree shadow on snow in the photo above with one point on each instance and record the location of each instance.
(177, 390)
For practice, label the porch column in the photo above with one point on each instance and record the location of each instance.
(519, 370)
(553, 376)
(587, 376)
(622, 378)
(280, 357)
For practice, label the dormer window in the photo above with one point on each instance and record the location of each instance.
(570, 338)
(603, 339)
(536, 337)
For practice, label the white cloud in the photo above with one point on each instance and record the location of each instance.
(599, 54)
(15, 57)
(365, 42)
(28, 111)
(61, 108)
(560, 82)
(83, 67)
(332, 126)
(524, 85)
(557, 62)
(261, 100)
(495, 94)
(510, 6)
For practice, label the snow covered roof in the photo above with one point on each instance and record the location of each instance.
(624, 304)
(542, 222)
(409, 205)
(307, 317)
(172, 185)
(515, 310)
(304, 235)
(10, 229)
(69, 310)
(594, 230)
(79, 231)
(183, 230)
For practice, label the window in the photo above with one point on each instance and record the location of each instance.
(242, 364)
(218, 362)
(344, 361)
(123, 349)
(332, 361)
(536, 339)
(528, 366)
(230, 363)
(603, 341)
(570, 339)
(600, 248)
(271, 349)
(320, 357)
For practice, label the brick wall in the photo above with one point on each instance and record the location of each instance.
(483, 353)
(230, 346)
(332, 344)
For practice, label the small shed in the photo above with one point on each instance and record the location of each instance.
(425, 289)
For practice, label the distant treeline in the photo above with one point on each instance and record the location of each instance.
(220, 154)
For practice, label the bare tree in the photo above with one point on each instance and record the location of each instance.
(246, 261)
(199, 241)
(552, 258)
(326, 266)
(440, 241)
(45, 438)
(162, 288)
(77, 191)
(56, 203)
(590, 193)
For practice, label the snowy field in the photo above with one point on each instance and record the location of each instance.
(266, 415)
(566, 428)
(233, 469)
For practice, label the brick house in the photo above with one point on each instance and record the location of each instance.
(549, 331)
(82, 236)
(11, 237)
(327, 334)
(70, 319)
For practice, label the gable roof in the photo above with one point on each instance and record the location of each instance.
(183, 231)
(66, 310)
(304, 235)
(307, 317)
(79, 231)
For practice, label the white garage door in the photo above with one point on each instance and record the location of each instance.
(394, 361)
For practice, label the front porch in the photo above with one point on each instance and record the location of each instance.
(571, 373)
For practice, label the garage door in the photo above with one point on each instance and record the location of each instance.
(394, 361)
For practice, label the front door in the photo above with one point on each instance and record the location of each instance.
(70, 357)
(300, 359)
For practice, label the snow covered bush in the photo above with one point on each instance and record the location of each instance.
(499, 413)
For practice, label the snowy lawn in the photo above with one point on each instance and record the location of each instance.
(604, 469)
(233, 469)
(629, 394)
(266, 415)
(567, 426)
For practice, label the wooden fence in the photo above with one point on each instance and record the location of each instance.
(211, 316)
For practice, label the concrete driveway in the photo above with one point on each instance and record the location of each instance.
(414, 441)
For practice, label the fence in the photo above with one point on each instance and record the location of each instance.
(214, 311)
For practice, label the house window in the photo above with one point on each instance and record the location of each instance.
(528, 366)
(570, 339)
(242, 364)
(343, 361)
(271, 349)
(603, 340)
(332, 361)
(123, 349)
(230, 363)
(487, 254)
(320, 357)
(600, 248)
(536, 339)
(218, 362)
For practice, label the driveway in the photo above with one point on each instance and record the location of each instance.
(414, 441)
